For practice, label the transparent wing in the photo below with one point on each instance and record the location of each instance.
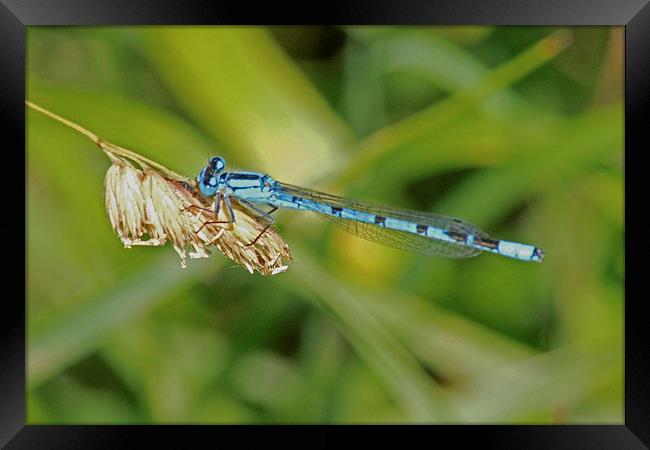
(394, 238)
(403, 240)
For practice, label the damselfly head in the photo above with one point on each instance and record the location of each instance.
(208, 178)
(218, 163)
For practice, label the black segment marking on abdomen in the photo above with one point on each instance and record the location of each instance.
(488, 243)
(456, 236)
(380, 220)
(422, 229)
(336, 210)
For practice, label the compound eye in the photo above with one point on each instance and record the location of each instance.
(218, 163)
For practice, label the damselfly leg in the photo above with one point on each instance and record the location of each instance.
(266, 215)
(187, 208)
(217, 208)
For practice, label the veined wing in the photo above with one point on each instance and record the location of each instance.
(394, 238)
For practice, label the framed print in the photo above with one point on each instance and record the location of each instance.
(207, 195)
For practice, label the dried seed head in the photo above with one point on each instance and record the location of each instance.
(238, 241)
(166, 220)
(266, 254)
(146, 208)
(125, 201)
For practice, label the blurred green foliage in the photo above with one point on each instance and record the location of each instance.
(518, 130)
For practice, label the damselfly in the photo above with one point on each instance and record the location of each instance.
(405, 229)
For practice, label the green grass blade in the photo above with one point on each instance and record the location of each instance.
(82, 331)
(575, 147)
(244, 90)
(421, 399)
(380, 144)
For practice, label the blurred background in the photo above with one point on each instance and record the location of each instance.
(518, 130)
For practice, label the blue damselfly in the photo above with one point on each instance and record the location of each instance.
(416, 231)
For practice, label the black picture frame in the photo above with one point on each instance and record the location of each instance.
(16, 15)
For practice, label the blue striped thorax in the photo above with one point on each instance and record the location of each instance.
(250, 186)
